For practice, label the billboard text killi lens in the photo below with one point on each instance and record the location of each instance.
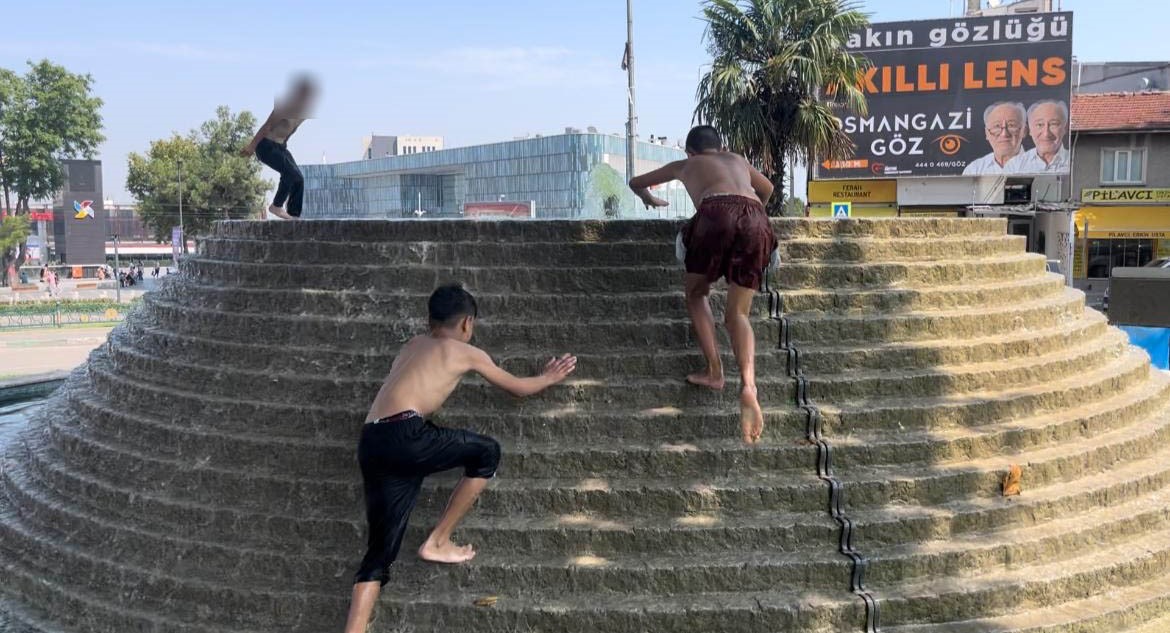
(965, 96)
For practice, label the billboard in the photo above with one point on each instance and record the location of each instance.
(79, 219)
(975, 96)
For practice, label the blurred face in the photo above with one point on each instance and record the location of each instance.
(302, 95)
(1047, 128)
(1005, 132)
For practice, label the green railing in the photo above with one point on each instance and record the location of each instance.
(62, 313)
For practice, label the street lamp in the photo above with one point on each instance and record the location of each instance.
(182, 232)
(117, 267)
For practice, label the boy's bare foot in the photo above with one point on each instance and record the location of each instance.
(751, 418)
(447, 552)
(705, 379)
(279, 212)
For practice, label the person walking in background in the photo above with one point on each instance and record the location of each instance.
(270, 145)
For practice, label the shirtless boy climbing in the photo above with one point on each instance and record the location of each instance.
(730, 236)
(398, 447)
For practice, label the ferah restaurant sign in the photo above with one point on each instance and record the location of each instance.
(966, 96)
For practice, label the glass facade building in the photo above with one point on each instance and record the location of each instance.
(565, 175)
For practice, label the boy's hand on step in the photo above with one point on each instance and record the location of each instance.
(556, 369)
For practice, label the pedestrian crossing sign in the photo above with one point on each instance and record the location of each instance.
(842, 209)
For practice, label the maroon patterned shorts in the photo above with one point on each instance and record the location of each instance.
(729, 237)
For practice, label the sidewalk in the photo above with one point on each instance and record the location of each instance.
(31, 352)
(70, 291)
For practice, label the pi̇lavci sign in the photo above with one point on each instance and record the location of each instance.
(967, 96)
(1125, 194)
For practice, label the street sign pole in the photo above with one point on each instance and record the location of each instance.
(842, 210)
(117, 267)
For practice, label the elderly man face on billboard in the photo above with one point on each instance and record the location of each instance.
(1004, 125)
(1048, 127)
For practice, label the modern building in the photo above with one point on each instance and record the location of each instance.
(1122, 77)
(577, 175)
(376, 146)
(1121, 180)
(79, 215)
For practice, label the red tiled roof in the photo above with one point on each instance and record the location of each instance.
(1121, 111)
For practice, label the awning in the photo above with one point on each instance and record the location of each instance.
(1132, 222)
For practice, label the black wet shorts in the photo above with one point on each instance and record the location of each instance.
(395, 454)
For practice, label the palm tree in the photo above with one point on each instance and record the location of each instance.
(779, 74)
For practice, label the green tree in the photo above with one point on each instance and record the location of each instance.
(218, 183)
(46, 116)
(14, 231)
(793, 207)
(779, 74)
(608, 187)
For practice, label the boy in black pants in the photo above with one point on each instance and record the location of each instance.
(399, 447)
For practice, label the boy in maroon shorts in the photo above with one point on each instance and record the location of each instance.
(730, 236)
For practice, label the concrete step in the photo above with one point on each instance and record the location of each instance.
(942, 381)
(191, 526)
(215, 606)
(599, 279)
(959, 442)
(564, 426)
(1010, 589)
(812, 329)
(876, 485)
(137, 344)
(592, 231)
(592, 306)
(297, 459)
(1035, 544)
(322, 497)
(864, 446)
(651, 571)
(865, 249)
(341, 397)
(571, 254)
(737, 612)
(921, 298)
(892, 383)
(667, 333)
(14, 619)
(909, 523)
(257, 356)
(556, 255)
(619, 332)
(833, 358)
(1132, 609)
(50, 604)
(977, 408)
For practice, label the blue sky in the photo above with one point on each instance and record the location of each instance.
(468, 70)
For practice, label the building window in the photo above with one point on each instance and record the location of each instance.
(1105, 254)
(1123, 166)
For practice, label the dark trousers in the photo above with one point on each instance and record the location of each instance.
(292, 183)
(395, 455)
